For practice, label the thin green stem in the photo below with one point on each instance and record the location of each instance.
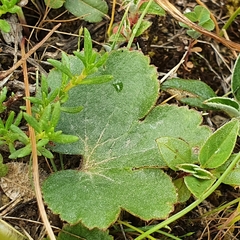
(137, 26)
(229, 21)
(194, 204)
(61, 160)
(53, 165)
(134, 228)
(120, 27)
(23, 21)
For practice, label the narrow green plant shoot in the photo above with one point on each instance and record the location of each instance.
(10, 6)
(91, 60)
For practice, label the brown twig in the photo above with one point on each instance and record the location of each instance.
(171, 9)
(28, 54)
(33, 138)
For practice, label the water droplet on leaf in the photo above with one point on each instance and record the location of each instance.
(118, 86)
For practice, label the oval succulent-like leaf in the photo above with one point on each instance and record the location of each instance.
(233, 178)
(183, 193)
(153, 9)
(219, 146)
(198, 186)
(118, 131)
(228, 105)
(89, 10)
(174, 151)
(191, 92)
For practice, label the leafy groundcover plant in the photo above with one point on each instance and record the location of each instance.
(126, 142)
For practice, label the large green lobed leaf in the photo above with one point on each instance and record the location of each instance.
(121, 166)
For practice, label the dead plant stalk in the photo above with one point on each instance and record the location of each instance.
(38, 192)
(28, 54)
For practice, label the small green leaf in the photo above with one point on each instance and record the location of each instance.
(64, 138)
(18, 119)
(60, 66)
(233, 177)
(14, 8)
(33, 122)
(183, 193)
(202, 14)
(89, 10)
(45, 115)
(208, 25)
(191, 92)
(35, 100)
(9, 121)
(102, 60)
(54, 3)
(22, 152)
(193, 34)
(72, 109)
(119, 38)
(44, 86)
(2, 127)
(81, 56)
(143, 27)
(56, 112)
(4, 26)
(219, 146)
(192, 16)
(236, 79)
(65, 60)
(228, 105)
(52, 96)
(46, 153)
(174, 151)
(42, 142)
(202, 173)
(3, 167)
(153, 9)
(87, 47)
(187, 167)
(198, 186)
(21, 135)
(3, 94)
(79, 231)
